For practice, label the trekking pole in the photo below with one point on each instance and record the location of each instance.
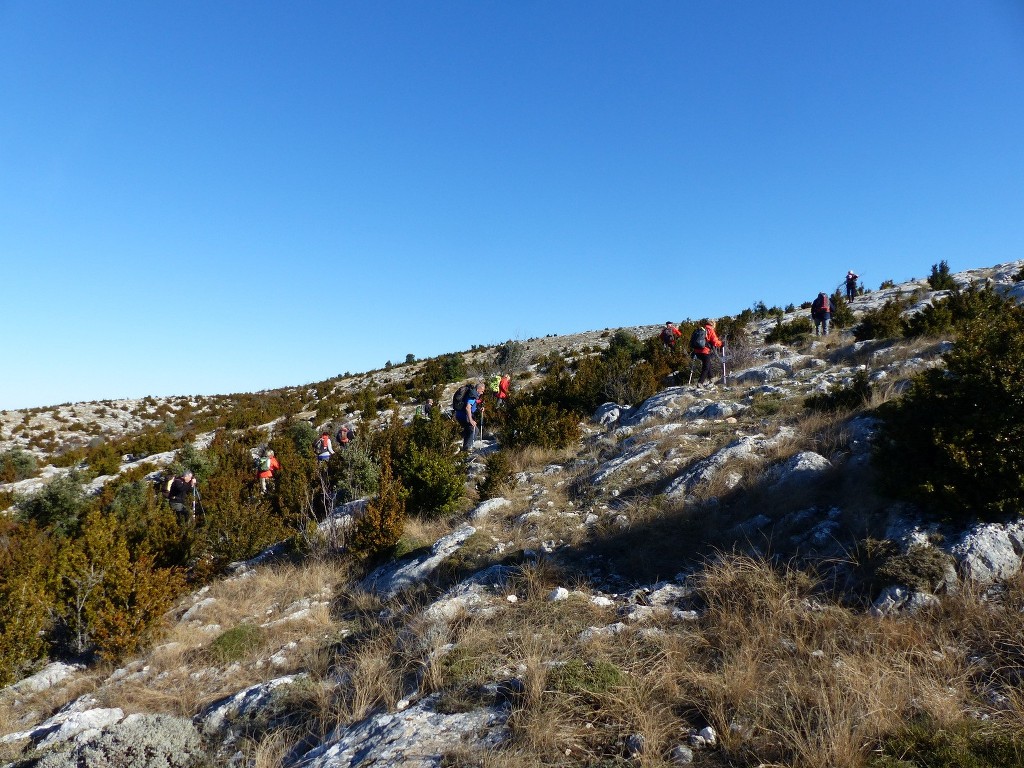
(725, 347)
(689, 381)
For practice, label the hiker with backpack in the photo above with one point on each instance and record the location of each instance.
(503, 386)
(268, 466)
(851, 285)
(178, 490)
(702, 341)
(344, 435)
(669, 334)
(322, 446)
(821, 313)
(467, 401)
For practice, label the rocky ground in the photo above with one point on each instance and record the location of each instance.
(604, 542)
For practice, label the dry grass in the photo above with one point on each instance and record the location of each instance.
(785, 676)
(190, 676)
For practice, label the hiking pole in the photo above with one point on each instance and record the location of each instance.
(689, 381)
(725, 347)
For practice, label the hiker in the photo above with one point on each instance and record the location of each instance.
(423, 411)
(180, 487)
(344, 435)
(324, 449)
(468, 400)
(669, 334)
(268, 465)
(821, 313)
(503, 385)
(851, 285)
(702, 341)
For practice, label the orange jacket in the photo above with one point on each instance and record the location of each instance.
(275, 466)
(713, 341)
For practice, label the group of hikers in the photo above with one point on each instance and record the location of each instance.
(704, 340)
(469, 400)
(821, 307)
(468, 404)
(467, 410)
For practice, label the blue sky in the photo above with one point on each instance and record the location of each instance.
(212, 197)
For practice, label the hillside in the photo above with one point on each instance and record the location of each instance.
(685, 575)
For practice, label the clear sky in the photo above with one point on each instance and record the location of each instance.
(205, 197)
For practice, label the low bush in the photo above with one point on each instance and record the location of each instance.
(842, 315)
(881, 564)
(58, 506)
(236, 643)
(538, 424)
(842, 398)
(497, 476)
(788, 333)
(356, 474)
(926, 743)
(947, 316)
(952, 441)
(886, 322)
(16, 465)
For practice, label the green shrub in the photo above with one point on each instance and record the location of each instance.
(577, 676)
(379, 529)
(880, 564)
(109, 600)
(952, 441)
(355, 473)
(926, 743)
(538, 424)
(17, 464)
(58, 506)
(788, 333)
(435, 480)
(842, 398)
(886, 284)
(26, 600)
(948, 315)
(886, 322)
(104, 459)
(842, 315)
(237, 643)
(498, 476)
(301, 435)
(940, 279)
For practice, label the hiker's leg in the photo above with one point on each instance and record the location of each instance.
(467, 435)
(706, 373)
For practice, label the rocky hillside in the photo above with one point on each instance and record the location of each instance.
(710, 576)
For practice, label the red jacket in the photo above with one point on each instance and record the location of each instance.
(275, 466)
(713, 341)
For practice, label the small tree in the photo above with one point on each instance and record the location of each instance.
(380, 527)
(26, 597)
(940, 279)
